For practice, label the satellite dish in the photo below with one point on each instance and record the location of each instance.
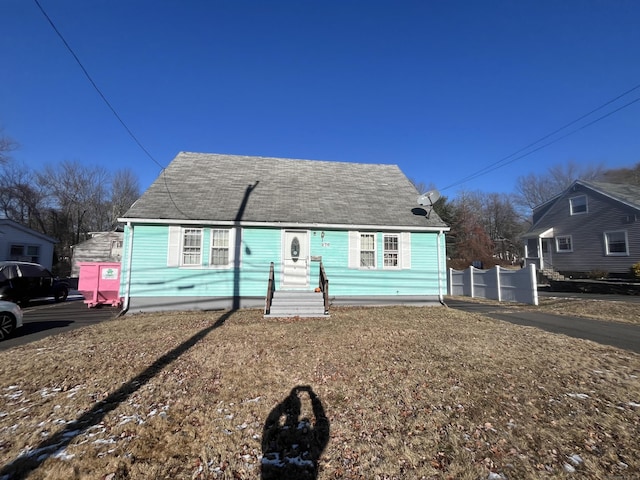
(429, 198)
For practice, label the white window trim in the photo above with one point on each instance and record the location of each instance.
(398, 236)
(606, 244)
(182, 233)
(375, 251)
(232, 249)
(558, 249)
(404, 247)
(586, 205)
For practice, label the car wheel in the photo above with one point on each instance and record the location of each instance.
(7, 325)
(61, 295)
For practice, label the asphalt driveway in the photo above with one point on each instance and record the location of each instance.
(620, 335)
(45, 318)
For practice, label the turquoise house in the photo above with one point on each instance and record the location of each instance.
(212, 230)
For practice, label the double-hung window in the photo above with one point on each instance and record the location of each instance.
(391, 253)
(578, 205)
(201, 247)
(616, 243)
(220, 245)
(192, 246)
(564, 244)
(368, 250)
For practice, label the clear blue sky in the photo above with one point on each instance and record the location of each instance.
(441, 88)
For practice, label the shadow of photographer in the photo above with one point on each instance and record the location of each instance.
(291, 442)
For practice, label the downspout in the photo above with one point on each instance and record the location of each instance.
(440, 296)
(127, 285)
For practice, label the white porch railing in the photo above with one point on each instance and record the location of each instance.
(498, 283)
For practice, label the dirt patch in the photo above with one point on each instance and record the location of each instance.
(407, 392)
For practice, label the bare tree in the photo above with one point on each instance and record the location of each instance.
(533, 190)
(7, 145)
(623, 175)
(21, 199)
(78, 194)
(125, 189)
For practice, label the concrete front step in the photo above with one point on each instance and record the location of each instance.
(297, 304)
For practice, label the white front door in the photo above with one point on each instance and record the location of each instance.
(295, 259)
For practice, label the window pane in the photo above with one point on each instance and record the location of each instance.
(578, 204)
(220, 247)
(564, 244)
(367, 242)
(367, 250)
(367, 259)
(390, 251)
(220, 238)
(191, 249)
(616, 242)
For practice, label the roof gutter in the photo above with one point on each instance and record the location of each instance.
(319, 226)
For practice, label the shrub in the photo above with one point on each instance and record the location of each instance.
(635, 270)
(597, 274)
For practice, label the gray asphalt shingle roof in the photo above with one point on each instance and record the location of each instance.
(626, 193)
(212, 187)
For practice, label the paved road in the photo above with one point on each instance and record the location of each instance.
(46, 318)
(621, 335)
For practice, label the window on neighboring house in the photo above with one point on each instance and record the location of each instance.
(25, 253)
(220, 247)
(192, 246)
(578, 205)
(563, 244)
(616, 243)
(368, 250)
(391, 251)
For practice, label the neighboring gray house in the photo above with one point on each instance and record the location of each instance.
(101, 247)
(18, 242)
(591, 226)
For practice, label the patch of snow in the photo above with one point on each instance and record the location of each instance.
(575, 459)
(581, 396)
(496, 476)
(634, 404)
(568, 468)
(253, 400)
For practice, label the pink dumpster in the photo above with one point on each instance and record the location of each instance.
(99, 283)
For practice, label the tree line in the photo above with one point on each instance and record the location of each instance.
(65, 201)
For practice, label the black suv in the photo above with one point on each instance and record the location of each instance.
(21, 282)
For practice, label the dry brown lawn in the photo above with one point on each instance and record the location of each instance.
(408, 393)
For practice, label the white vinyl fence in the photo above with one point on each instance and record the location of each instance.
(497, 284)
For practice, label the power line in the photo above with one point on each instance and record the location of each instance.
(113, 110)
(503, 161)
(104, 98)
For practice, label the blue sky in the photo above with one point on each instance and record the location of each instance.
(440, 88)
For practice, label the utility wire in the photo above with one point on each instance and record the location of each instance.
(84, 70)
(113, 110)
(503, 161)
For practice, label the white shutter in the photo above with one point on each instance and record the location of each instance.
(173, 253)
(354, 249)
(405, 255)
(233, 237)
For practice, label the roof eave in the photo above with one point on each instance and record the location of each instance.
(327, 226)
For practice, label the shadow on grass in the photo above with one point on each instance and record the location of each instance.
(31, 460)
(291, 446)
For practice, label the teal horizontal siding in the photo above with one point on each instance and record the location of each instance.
(150, 276)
